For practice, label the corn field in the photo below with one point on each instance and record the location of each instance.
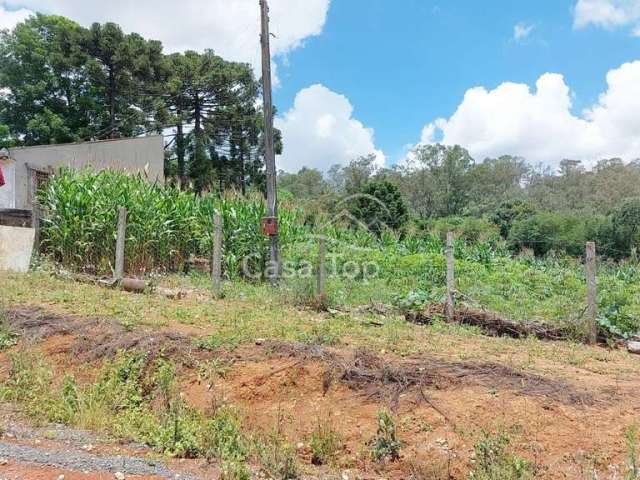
(165, 226)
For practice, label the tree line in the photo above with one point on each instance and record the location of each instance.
(62, 82)
(529, 206)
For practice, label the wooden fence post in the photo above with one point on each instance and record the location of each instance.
(592, 303)
(449, 310)
(36, 217)
(216, 257)
(322, 250)
(120, 240)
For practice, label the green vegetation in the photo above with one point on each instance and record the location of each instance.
(69, 83)
(7, 337)
(133, 398)
(325, 443)
(494, 462)
(164, 225)
(385, 445)
(167, 226)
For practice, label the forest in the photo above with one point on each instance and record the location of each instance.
(66, 83)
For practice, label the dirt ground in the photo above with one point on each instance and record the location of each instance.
(567, 419)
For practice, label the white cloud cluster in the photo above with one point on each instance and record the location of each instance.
(608, 14)
(320, 131)
(521, 31)
(9, 18)
(230, 27)
(540, 126)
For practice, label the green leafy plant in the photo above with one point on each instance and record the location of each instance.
(324, 443)
(385, 445)
(415, 300)
(494, 462)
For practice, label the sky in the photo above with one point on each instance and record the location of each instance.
(545, 80)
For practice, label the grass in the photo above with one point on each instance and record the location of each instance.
(250, 312)
(325, 442)
(167, 226)
(7, 338)
(135, 399)
(493, 461)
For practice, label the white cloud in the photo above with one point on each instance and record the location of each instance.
(320, 131)
(521, 31)
(607, 13)
(9, 18)
(230, 27)
(540, 126)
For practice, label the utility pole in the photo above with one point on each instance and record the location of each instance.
(269, 151)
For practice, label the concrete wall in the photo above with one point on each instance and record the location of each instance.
(16, 247)
(141, 154)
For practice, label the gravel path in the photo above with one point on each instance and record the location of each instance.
(74, 460)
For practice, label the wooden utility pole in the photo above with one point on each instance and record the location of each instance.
(269, 150)
(120, 244)
(449, 308)
(592, 304)
(216, 257)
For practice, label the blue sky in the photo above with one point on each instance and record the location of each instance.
(544, 79)
(404, 63)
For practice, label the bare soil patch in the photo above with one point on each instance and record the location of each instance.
(564, 422)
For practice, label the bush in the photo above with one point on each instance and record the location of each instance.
(470, 229)
(380, 205)
(547, 231)
(509, 212)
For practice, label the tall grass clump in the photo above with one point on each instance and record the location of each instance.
(165, 225)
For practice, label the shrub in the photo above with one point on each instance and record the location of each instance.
(380, 205)
(547, 231)
(470, 229)
(493, 462)
(509, 212)
(385, 445)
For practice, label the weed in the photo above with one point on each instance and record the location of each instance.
(221, 340)
(385, 445)
(321, 333)
(324, 443)
(222, 439)
(30, 383)
(277, 456)
(7, 338)
(70, 395)
(209, 369)
(493, 462)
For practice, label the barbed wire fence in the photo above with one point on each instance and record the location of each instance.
(586, 320)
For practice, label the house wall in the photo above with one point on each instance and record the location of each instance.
(7, 191)
(134, 155)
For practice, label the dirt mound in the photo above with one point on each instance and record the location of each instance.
(97, 338)
(378, 378)
(384, 379)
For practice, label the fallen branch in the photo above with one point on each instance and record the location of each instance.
(491, 323)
